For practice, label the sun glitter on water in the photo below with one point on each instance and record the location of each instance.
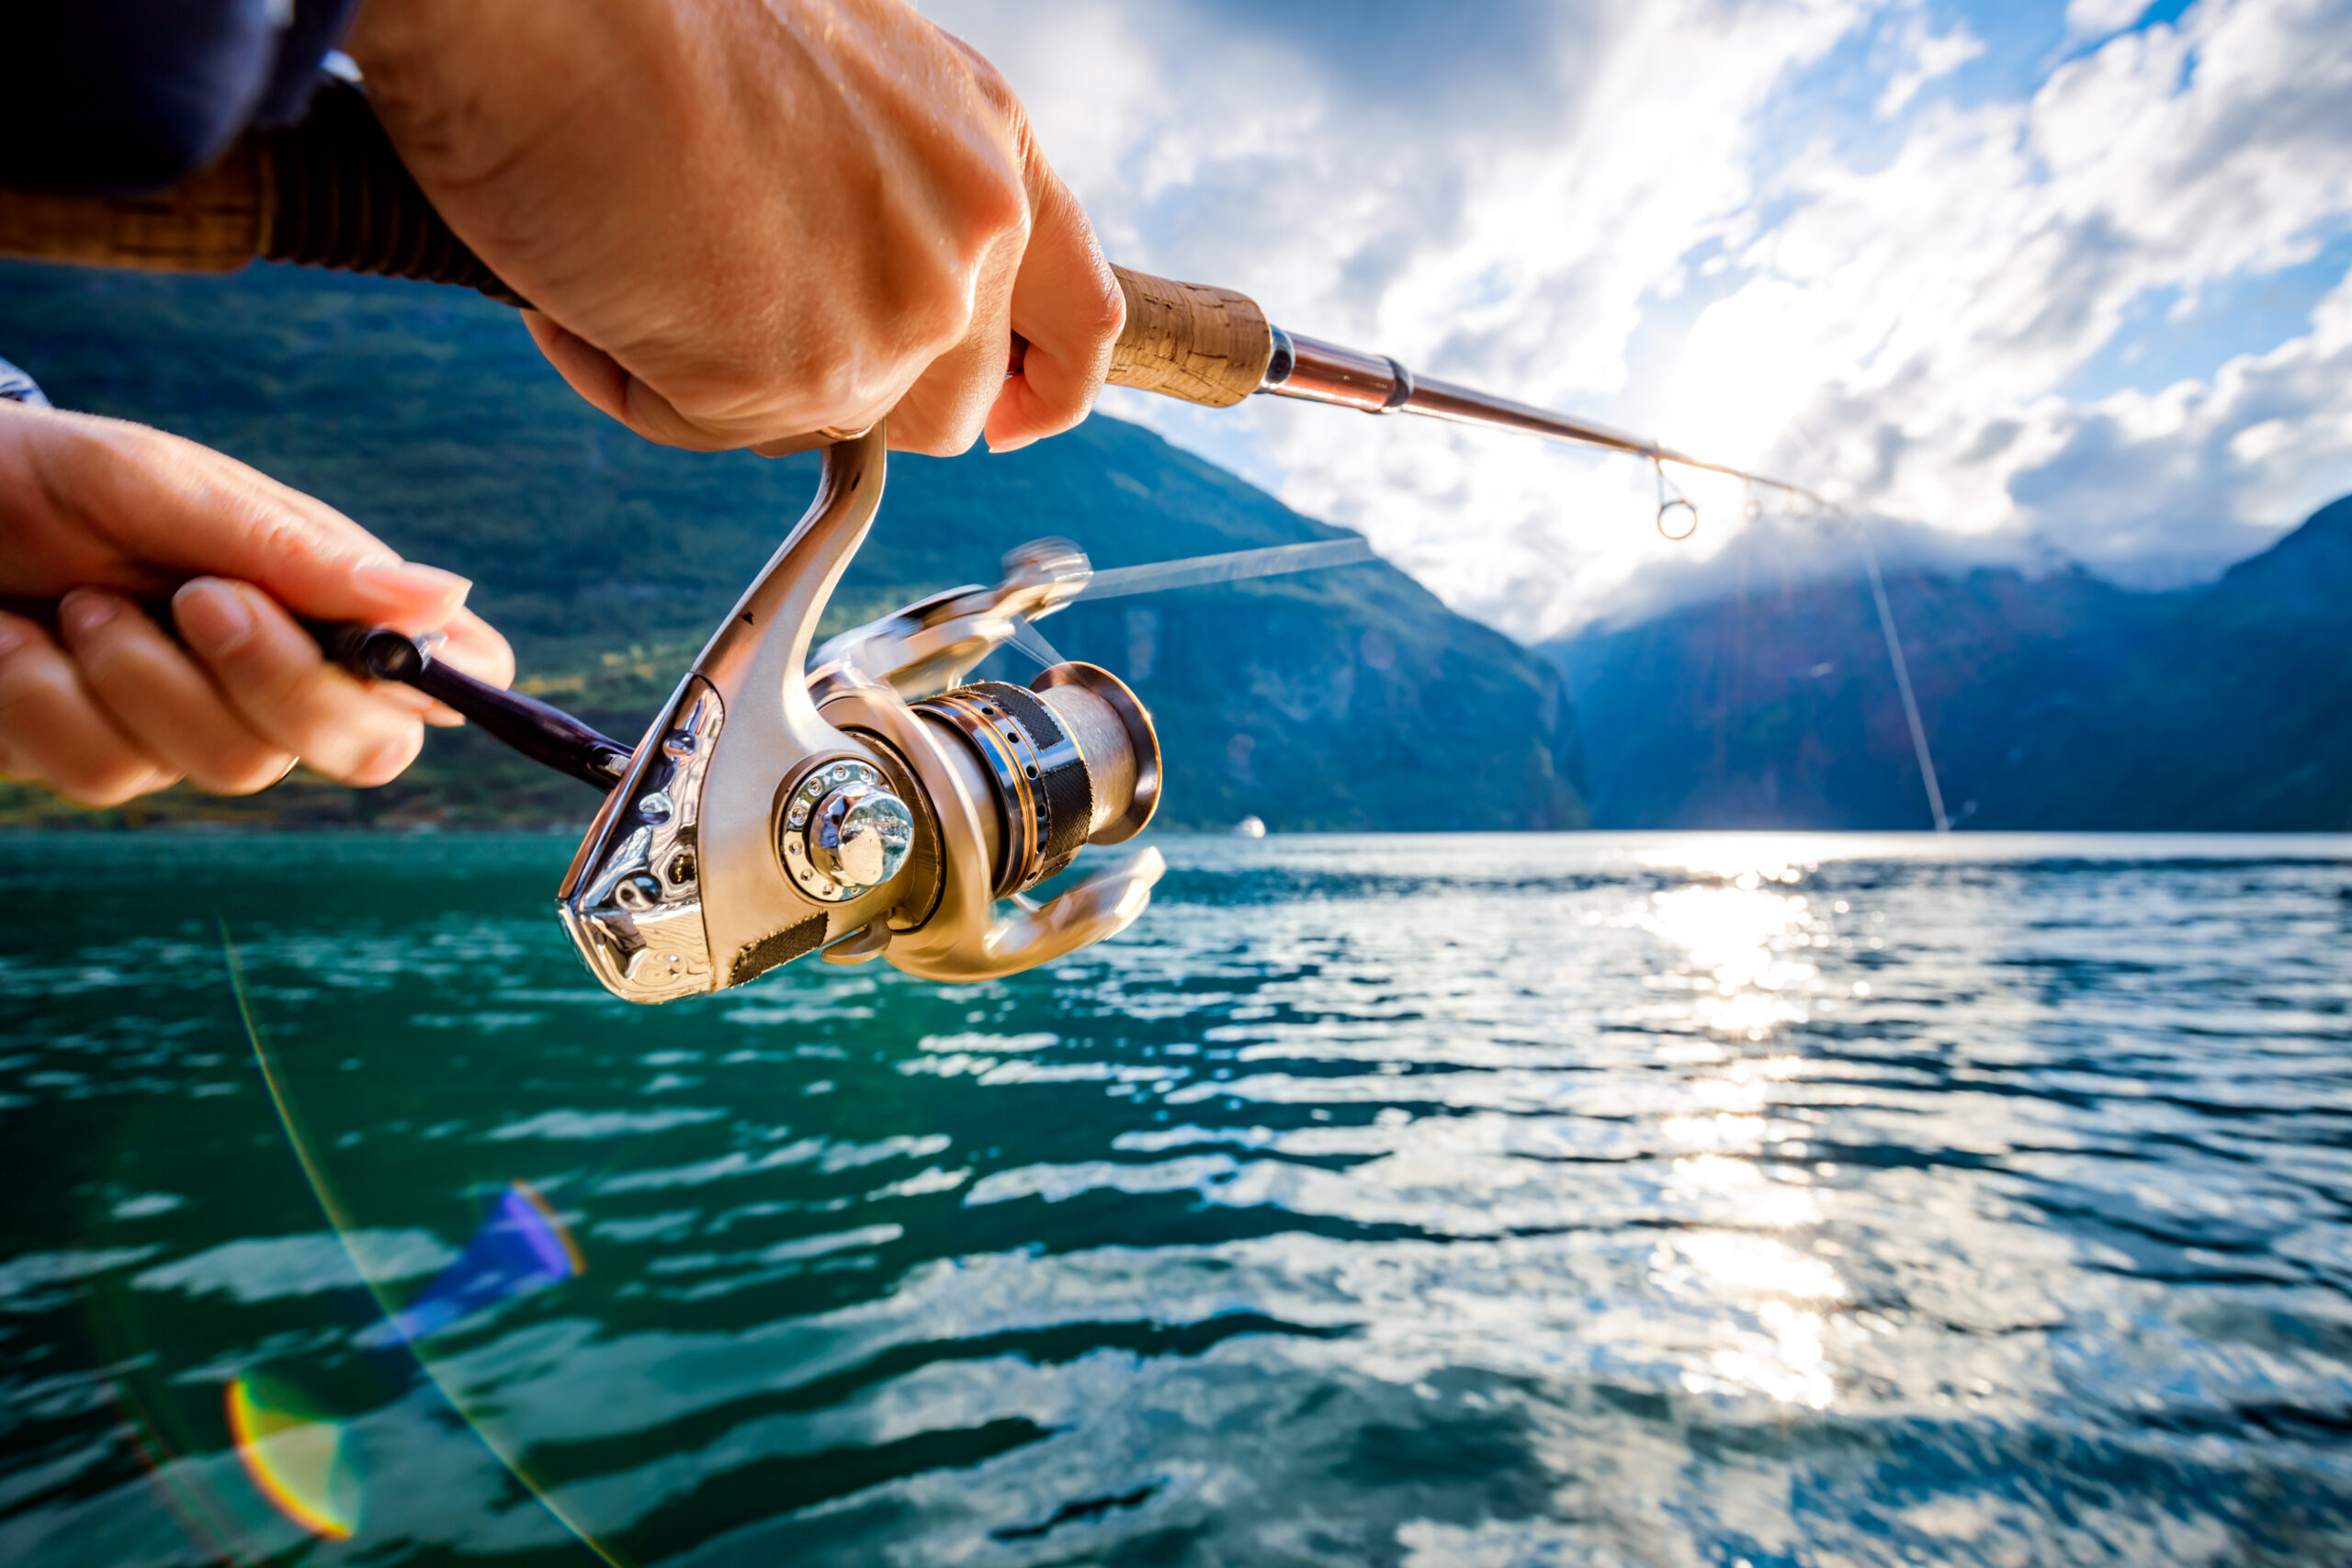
(297, 1459)
(1740, 954)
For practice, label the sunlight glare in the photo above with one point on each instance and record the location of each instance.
(1749, 361)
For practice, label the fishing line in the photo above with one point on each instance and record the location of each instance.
(1887, 630)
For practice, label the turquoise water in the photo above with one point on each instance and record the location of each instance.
(1673, 1199)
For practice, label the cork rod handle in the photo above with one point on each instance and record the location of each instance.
(215, 220)
(1190, 341)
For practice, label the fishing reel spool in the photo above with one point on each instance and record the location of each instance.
(863, 807)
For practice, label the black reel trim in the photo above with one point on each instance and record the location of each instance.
(1044, 797)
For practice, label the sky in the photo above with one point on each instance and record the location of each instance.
(2030, 282)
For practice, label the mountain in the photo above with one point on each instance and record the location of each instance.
(1320, 701)
(2051, 701)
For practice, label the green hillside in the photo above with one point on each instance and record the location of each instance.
(1325, 701)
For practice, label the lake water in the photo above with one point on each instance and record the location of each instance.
(1605, 1199)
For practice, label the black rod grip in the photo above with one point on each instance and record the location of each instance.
(339, 197)
(540, 731)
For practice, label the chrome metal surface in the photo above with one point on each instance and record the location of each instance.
(861, 946)
(633, 903)
(757, 663)
(1019, 757)
(951, 926)
(933, 643)
(1283, 361)
(1326, 373)
(1400, 390)
(946, 877)
(777, 811)
(679, 886)
(843, 831)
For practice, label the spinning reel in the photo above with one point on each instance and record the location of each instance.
(861, 808)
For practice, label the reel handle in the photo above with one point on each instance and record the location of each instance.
(331, 191)
(540, 731)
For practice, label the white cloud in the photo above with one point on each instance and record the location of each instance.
(2102, 18)
(1690, 216)
(1928, 56)
(1959, 287)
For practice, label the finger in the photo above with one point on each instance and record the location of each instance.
(53, 732)
(472, 646)
(409, 700)
(275, 679)
(947, 408)
(154, 694)
(605, 386)
(144, 510)
(1066, 303)
(475, 647)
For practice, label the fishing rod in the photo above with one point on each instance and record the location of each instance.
(873, 804)
(332, 192)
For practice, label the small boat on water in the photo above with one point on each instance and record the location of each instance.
(1250, 828)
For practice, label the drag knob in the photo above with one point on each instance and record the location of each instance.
(859, 834)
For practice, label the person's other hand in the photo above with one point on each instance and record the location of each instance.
(101, 514)
(746, 220)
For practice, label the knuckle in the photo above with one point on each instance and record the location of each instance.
(929, 307)
(989, 207)
(1106, 310)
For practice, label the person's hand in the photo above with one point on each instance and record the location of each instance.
(746, 220)
(102, 514)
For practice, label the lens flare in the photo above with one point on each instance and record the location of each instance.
(523, 1247)
(296, 1458)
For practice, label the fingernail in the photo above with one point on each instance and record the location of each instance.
(403, 584)
(12, 638)
(213, 615)
(85, 612)
(999, 449)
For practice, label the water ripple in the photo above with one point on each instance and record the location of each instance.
(1434, 1200)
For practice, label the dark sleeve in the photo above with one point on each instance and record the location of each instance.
(120, 96)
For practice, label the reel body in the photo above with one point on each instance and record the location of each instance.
(771, 810)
